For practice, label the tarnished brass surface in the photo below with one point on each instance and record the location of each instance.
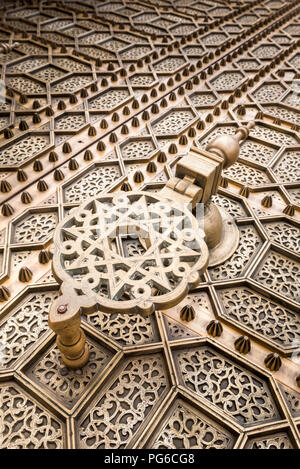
(108, 96)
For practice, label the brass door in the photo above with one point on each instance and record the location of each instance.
(92, 92)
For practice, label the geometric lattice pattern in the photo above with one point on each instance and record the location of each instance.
(98, 94)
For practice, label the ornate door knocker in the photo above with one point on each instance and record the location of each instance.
(137, 252)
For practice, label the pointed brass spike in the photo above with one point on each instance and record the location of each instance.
(84, 93)
(131, 68)
(192, 132)
(37, 166)
(267, 201)
(73, 164)
(26, 198)
(243, 344)
(289, 210)
(178, 77)
(44, 256)
(42, 186)
(110, 67)
(126, 187)
(273, 362)
(101, 146)
(244, 191)
(153, 93)
(23, 125)
(49, 111)
(231, 99)
(172, 96)
(115, 117)
(144, 98)
(241, 110)
(36, 104)
(183, 140)
(66, 148)
(154, 108)
(73, 99)
(181, 91)
(259, 115)
(135, 104)
(200, 125)
(187, 313)
(7, 210)
(151, 167)
(209, 118)
(88, 156)
(23, 99)
(135, 122)
(21, 175)
(217, 111)
(103, 124)
(25, 274)
(124, 130)
(61, 105)
(162, 158)
(126, 111)
(94, 87)
(172, 149)
(53, 157)
(58, 175)
(196, 80)
(98, 62)
(163, 103)
(8, 133)
(162, 87)
(145, 115)
(4, 293)
(214, 328)
(92, 132)
(113, 137)
(36, 118)
(104, 82)
(5, 186)
(223, 182)
(170, 82)
(138, 177)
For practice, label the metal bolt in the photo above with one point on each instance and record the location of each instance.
(62, 309)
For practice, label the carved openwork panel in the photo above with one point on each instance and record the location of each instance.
(107, 97)
(25, 423)
(186, 429)
(141, 384)
(227, 385)
(254, 311)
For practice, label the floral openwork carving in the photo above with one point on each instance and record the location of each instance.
(90, 256)
(227, 385)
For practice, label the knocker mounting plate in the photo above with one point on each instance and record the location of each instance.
(134, 252)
